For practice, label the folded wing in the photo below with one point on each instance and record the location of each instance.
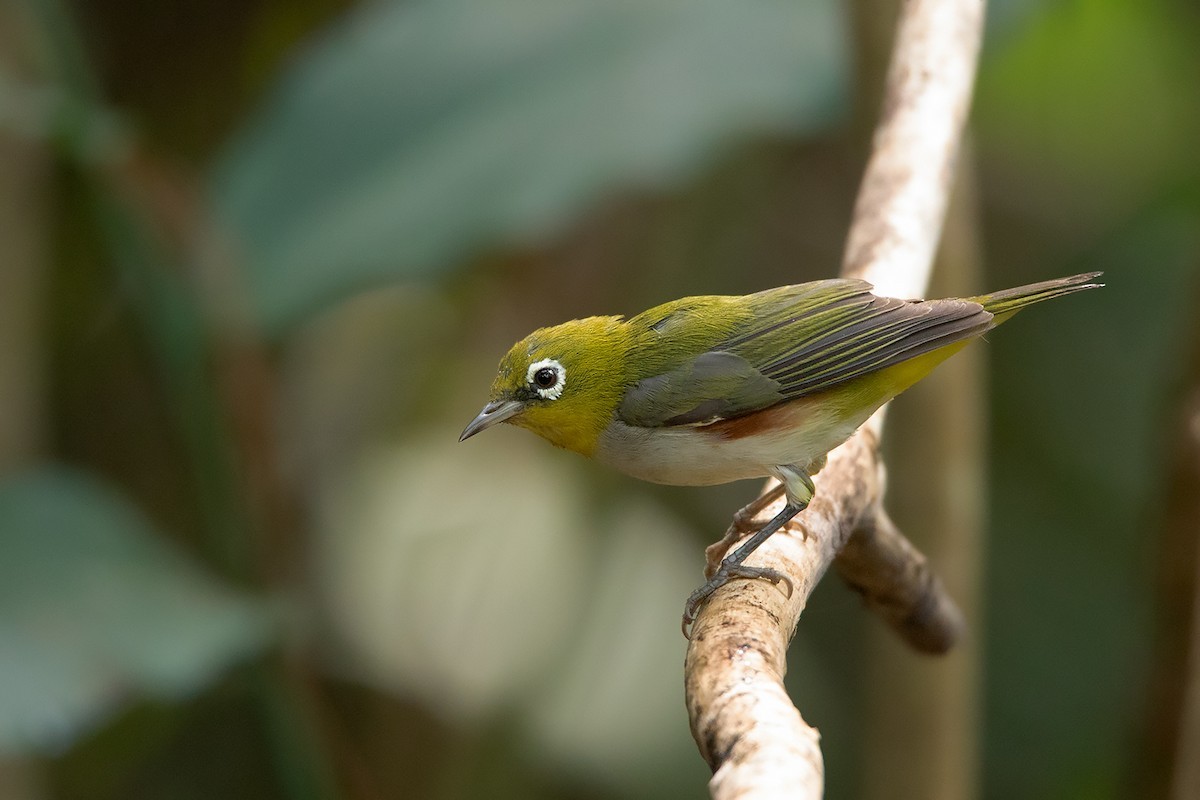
(796, 341)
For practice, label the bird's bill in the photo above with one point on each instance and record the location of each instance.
(492, 413)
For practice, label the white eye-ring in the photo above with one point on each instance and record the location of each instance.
(547, 377)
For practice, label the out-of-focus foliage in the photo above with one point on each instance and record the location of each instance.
(1055, 567)
(97, 610)
(414, 134)
(1087, 118)
(481, 577)
(589, 680)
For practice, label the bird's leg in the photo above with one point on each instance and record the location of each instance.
(741, 526)
(732, 566)
(743, 519)
(799, 489)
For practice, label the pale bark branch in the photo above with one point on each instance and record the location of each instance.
(896, 582)
(919, 731)
(746, 727)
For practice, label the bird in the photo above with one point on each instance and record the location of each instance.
(713, 389)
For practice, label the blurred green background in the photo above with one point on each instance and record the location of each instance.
(258, 260)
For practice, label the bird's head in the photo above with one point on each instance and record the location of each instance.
(563, 383)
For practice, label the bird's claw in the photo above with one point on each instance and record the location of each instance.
(722, 576)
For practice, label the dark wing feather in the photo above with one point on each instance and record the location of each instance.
(714, 385)
(878, 334)
(799, 340)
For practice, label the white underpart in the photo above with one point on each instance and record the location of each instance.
(550, 392)
(686, 456)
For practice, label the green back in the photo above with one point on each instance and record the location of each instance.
(724, 357)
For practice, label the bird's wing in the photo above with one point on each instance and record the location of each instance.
(714, 385)
(796, 341)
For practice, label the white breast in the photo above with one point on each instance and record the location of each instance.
(699, 456)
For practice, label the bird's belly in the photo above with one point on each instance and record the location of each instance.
(795, 433)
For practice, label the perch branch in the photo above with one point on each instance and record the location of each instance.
(744, 724)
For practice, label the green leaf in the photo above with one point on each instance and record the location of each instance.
(417, 133)
(96, 610)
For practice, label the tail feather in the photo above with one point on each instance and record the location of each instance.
(1007, 302)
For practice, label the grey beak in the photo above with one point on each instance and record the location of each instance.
(492, 413)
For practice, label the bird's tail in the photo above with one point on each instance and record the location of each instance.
(1005, 303)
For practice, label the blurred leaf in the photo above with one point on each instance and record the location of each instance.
(479, 581)
(418, 132)
(453, 574)
(95, 609)
(612, 714)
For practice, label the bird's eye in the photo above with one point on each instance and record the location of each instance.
(547, 377)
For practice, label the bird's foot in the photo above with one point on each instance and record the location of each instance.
(722, 576)
(733, 565)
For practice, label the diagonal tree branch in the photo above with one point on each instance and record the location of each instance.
(744, 724)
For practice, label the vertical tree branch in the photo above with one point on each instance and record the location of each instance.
(1167, 765)
(921, 736)
(25, 170)
(746, 728)
(1185, 772)
(902, 201)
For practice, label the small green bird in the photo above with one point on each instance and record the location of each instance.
(708, 390)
